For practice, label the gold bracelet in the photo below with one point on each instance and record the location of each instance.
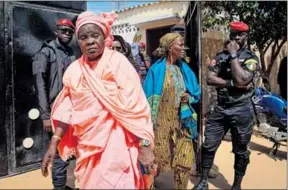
(56, 137)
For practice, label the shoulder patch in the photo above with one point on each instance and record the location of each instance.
(251, 64)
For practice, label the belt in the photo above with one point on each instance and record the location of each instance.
(231, 103)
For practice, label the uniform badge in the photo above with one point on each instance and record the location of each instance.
(213, 63)
(251, 64)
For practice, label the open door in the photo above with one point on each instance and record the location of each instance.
(151, 35)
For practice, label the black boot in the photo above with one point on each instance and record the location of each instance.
(237, 182)
(60, 188)
(203, 183)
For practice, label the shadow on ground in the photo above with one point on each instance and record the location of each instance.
(281, 155)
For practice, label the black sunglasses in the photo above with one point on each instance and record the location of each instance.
(66, 30)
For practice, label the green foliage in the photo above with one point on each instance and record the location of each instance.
(267, 20)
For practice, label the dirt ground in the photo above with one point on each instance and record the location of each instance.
(263, 172)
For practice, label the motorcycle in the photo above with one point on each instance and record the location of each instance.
(271, 117)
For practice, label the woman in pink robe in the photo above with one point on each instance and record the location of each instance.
(101, 116)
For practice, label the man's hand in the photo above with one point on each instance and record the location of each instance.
(232, 47)
(49, 157)
(47, 125)
(185, 98)
(245, 87)
(146, 157)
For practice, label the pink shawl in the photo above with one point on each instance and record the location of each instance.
(107, 111)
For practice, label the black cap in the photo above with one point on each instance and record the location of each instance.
(178, 28)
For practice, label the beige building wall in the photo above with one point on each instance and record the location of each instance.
(151, 15)
(275, 69)
(274, 87)
(151, 11)
(155, 24)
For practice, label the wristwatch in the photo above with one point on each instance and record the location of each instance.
(233, 55)
(144, 143)
(229, 83)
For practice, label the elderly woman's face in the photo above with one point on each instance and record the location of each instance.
(177, 48)
(91, 41)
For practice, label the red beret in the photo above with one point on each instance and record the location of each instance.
(239, 26)
(65, 22)
(142, 44)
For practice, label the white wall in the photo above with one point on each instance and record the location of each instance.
(149, 12)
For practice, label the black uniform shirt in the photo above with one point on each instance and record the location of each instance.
(221, 65)
(66, 54)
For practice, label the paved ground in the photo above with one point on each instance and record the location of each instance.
(262, 173)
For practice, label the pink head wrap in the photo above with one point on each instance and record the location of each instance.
(103, 20)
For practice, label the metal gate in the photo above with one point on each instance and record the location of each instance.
(193, 41)
(24, 26)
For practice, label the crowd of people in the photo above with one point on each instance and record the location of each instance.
(135, 53)
(127, 120)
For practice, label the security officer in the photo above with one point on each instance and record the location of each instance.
(231, 72)
(178, 29)
(49, 65)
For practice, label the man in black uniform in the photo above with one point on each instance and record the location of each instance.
(178, 29)
(49, 64)
(232, 74)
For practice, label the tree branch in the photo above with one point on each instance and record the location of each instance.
(267, 46)
(273, 57)
(262, 59)
(273, 49)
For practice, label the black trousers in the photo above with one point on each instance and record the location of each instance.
(239, 119)
(59, 170)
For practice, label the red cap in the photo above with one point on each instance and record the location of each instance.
(142, 44)
(65, 22)
(239, 26)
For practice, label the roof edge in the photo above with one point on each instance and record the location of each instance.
(136, 6)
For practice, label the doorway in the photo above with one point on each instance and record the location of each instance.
(153, 36)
